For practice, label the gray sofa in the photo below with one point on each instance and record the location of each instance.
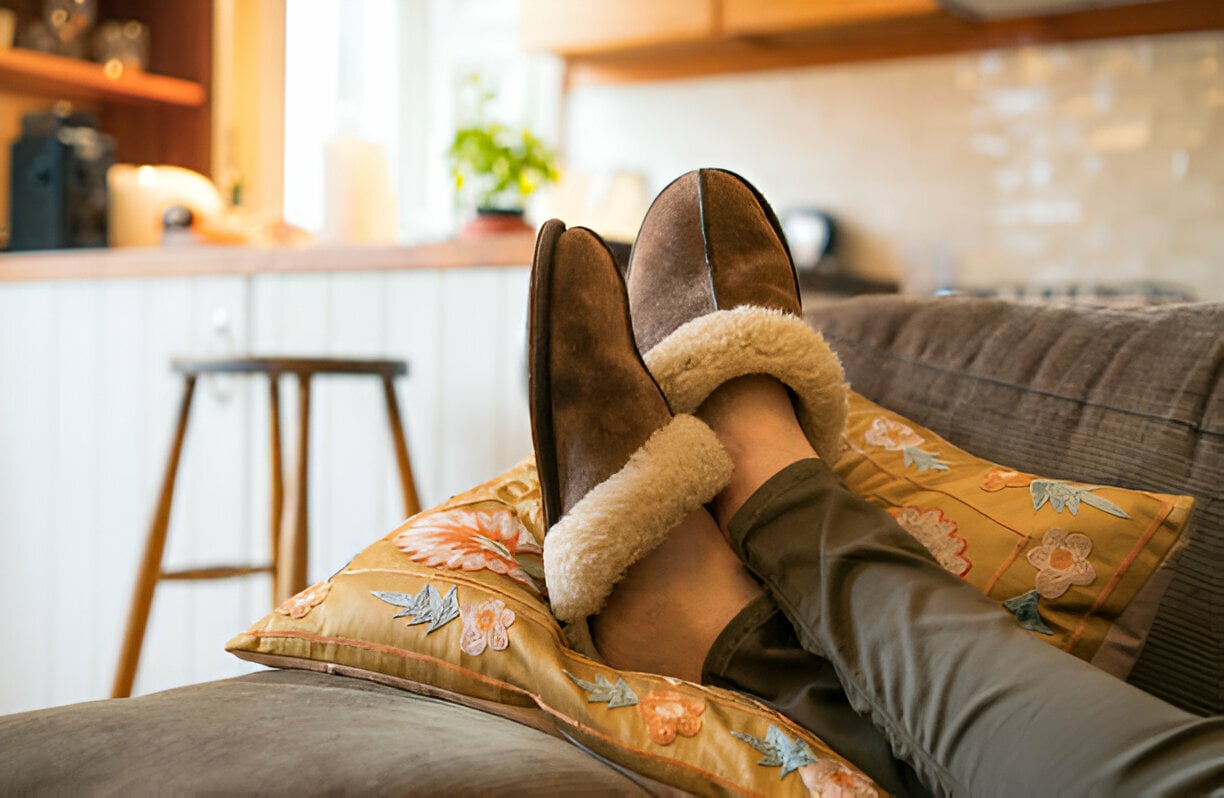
(1127, 397)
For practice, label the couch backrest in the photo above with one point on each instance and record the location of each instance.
(1133, 398)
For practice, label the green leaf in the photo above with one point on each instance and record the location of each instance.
(1101, 503)
(780, 750)
(602, 691)
(428, 606)
(925, 461)
(1062, 496)
(1024, 607)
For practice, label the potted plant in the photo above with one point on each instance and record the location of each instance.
(496, 168)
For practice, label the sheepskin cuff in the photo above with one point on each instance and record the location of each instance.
(679, 468)
(709, 350)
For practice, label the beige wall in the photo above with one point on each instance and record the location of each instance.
(1090, 163)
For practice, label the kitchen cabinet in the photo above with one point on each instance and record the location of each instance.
(605, 42)
(592, 26)
(87, 405)
(754, 17)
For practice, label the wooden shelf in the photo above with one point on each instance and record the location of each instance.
(56, 77)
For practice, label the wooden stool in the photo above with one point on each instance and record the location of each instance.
(289, 550)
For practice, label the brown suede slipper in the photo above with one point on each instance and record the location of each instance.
(714, 296)
(617, 470)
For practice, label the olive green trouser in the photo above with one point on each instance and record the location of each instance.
(921, 680)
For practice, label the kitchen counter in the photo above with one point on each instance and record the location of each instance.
(93, 264)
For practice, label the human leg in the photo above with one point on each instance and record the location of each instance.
(972, 701)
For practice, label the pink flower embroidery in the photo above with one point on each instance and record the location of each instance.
(1062, 561)
(467, 539)
(1000, 478)
(670, 712)
(891, 435)
(829, 778)
(938, 534)
(301, 604)
(484, 625)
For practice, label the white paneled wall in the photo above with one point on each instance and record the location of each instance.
(87, 404)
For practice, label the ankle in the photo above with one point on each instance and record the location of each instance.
(755, 420)
(673, 603)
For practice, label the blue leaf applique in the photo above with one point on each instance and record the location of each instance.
(1062, 496)
(1024, 607)
(780, 750)
(427, 606)
(602, 691)
(925, 461)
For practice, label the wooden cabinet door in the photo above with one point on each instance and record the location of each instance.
(576, 27)
(747, 17)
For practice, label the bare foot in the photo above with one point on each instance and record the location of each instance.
(673, 603)
(755, 420)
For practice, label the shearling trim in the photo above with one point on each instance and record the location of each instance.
(709, 350)
(679, 468)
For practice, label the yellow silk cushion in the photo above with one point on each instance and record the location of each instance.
(1080, 566)
(452, 603)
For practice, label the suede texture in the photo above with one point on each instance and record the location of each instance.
(709, 242)
(604, 403)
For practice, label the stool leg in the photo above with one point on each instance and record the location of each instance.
(412, 504)
(291, 566)
(150, 563)
(277, 498)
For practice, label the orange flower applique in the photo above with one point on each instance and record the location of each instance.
(892, 435)
(669, 712)
(1000, 478)
(301, 604)
(829, 778)
(1062, 561)
(467, 539)
(938, 534)
(484, 626)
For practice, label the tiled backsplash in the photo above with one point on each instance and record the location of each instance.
(1094, 163)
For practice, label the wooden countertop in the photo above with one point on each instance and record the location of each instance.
(95, 264)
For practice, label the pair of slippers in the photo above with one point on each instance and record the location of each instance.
(617, 365)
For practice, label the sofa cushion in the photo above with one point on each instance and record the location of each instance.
(453, 603)
(289, 733)
(1080, 566)
(1128, 397)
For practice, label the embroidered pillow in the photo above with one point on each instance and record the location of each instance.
(1080, 566)
(453, 603)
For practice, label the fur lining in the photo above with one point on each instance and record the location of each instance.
(679, 468)
(709, 350)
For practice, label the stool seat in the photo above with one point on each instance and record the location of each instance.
(289, 532)
(291, 365)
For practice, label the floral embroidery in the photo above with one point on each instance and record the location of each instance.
(999, 478)
(467, 539)
(780, 750)
(670, 712)
(603, 691)
(301, 604)
(1060, 495)
(428, 606)
(938, 533)
(1062, 561)
(829, 778)
(892, 435)
(1024, 607)
(484, 624)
